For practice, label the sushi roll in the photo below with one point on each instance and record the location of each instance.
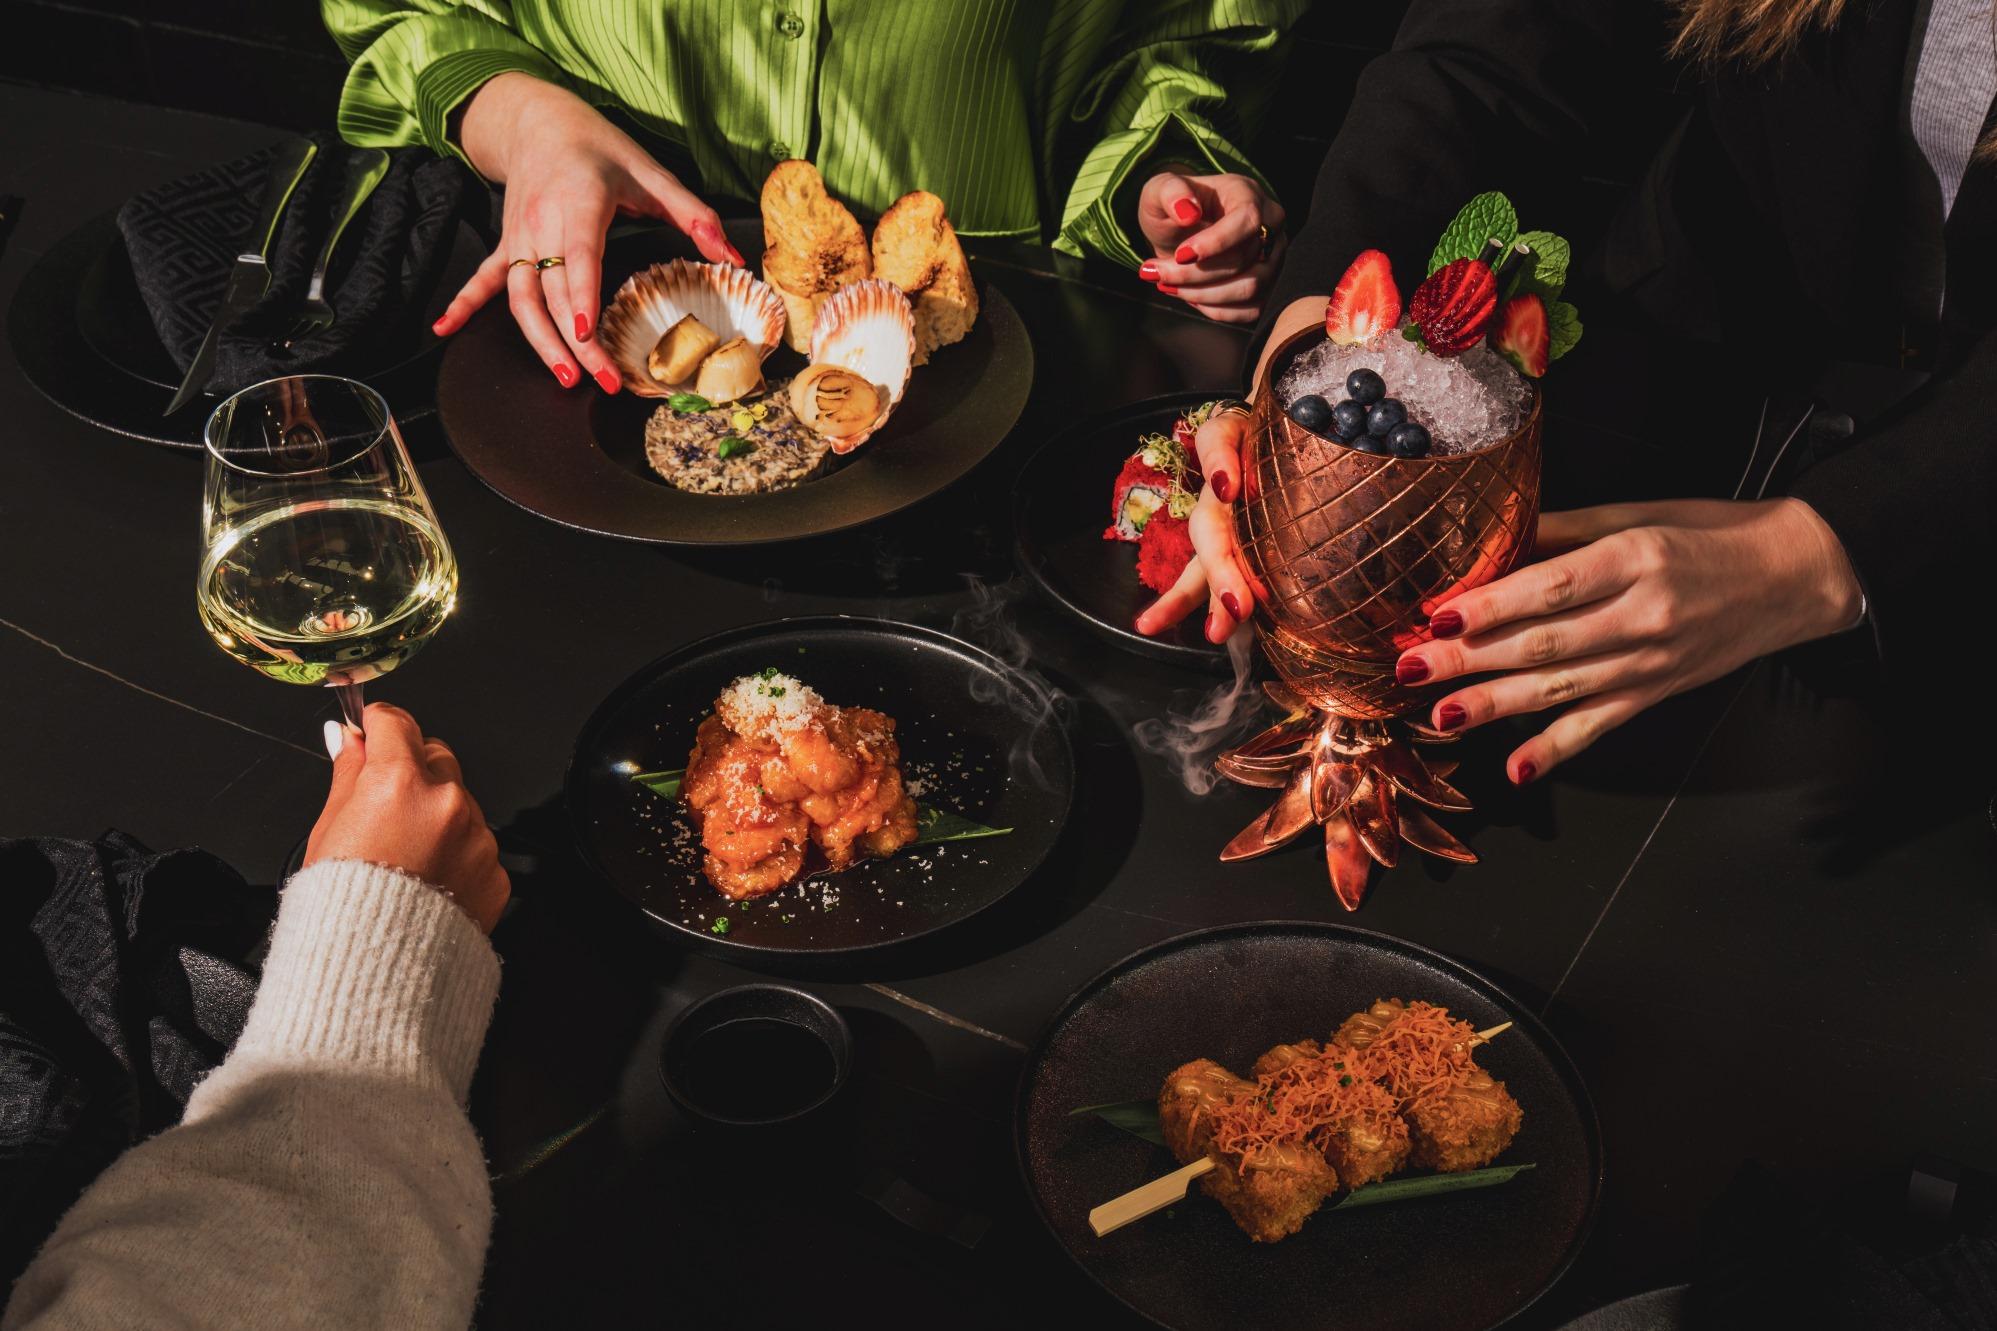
(1160, 474)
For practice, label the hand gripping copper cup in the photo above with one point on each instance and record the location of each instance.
(1349, 553)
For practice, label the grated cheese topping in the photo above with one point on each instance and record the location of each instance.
(768, 706)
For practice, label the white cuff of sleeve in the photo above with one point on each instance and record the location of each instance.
(376, 970)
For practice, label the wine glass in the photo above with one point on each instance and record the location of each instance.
(322, 559)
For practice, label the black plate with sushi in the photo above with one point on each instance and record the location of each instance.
(1077, 489)
(1437, 1252)
(734, 473)
(984, 761)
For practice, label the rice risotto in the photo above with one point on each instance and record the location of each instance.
(685, 448)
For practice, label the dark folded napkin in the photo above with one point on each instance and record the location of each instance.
(184, 236)
(124, 978)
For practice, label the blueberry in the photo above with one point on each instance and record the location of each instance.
(1348, 420)
(1365, 386)
(1409, 440)
(1367, 443)
(1384, 416)
(1312, 412)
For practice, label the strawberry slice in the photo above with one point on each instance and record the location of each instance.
(1364, 302)
(1521, 335)
(1453, 307)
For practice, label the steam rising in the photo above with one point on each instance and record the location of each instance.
(987, 621)
(1190, 740)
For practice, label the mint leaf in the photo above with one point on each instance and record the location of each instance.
(686, 402)
(1563, 328)
(1550, 258)
(1484, 217)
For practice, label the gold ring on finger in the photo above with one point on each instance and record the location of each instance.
(1264, 230)
(517, 262)
(552, 261)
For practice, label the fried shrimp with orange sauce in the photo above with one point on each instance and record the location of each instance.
(777, 772)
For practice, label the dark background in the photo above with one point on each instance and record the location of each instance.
(274, 63)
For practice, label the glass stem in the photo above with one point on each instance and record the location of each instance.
(351, 703)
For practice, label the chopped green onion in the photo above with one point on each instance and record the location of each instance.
(720, 925)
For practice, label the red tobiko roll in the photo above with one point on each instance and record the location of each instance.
(1163, 551)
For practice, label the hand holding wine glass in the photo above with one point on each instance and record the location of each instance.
(323, 562)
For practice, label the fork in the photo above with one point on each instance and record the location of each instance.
(364, 169)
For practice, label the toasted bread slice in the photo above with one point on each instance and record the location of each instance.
(916, 248)
(813, 246)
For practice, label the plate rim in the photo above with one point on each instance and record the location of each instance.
(1563, 1061)
(1212, 658)
(995, 306)
(731, 949)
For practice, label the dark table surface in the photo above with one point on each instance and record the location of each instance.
(1759, 886)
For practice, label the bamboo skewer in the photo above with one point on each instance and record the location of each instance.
(1156, 1195)
(1161, 1192)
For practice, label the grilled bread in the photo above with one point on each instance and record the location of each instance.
(813, 245)
(916, 248)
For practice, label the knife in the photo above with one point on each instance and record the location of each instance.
(250, 277)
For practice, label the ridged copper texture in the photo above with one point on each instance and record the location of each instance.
(1348, 554)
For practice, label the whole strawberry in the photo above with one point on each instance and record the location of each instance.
(1451, 310)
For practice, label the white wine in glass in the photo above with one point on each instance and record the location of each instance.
(322, 561)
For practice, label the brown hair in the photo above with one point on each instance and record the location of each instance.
(1755, 32)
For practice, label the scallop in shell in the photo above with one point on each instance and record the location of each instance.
(728, 301)
(866, 327)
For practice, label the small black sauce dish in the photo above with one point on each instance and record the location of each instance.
(755, 1055)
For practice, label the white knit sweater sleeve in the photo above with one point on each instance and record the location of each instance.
(325, 1174)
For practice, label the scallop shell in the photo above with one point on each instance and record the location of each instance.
(728, 300)
(868, 328)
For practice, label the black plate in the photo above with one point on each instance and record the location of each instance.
(983, 738)
(85, 341)
(1469, 1260)
(1062, 507)
(577, 457)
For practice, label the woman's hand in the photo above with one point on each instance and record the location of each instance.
(567, 172)
(1218, 241)
(399, 799)
(1226, 589)
(1648, 600)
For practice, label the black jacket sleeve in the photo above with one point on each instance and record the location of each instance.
(1914, 501)
(1475, 95)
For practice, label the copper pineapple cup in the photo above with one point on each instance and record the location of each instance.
(1349, 554)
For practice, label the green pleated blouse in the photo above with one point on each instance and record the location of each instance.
(1036, 119)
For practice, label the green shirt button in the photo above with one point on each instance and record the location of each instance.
(789, 24)
(780, 150)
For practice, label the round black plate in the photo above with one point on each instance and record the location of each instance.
(1468, 1260)
(85, 341)
(577, 457)
(982, 738)
(1062, 507)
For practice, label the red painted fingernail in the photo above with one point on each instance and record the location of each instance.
(1168, 290)
(566, 373)
(735, 256)
(1450, 716)
(582, 326)
(1186, 254)
(608, 378)
(1213, 628)
(1148, 270)
(1526, 773)
(1232, 606)
(1411, 670)
(1186, 211)
(1445, 623)
(438, 327)
(1223, 487)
